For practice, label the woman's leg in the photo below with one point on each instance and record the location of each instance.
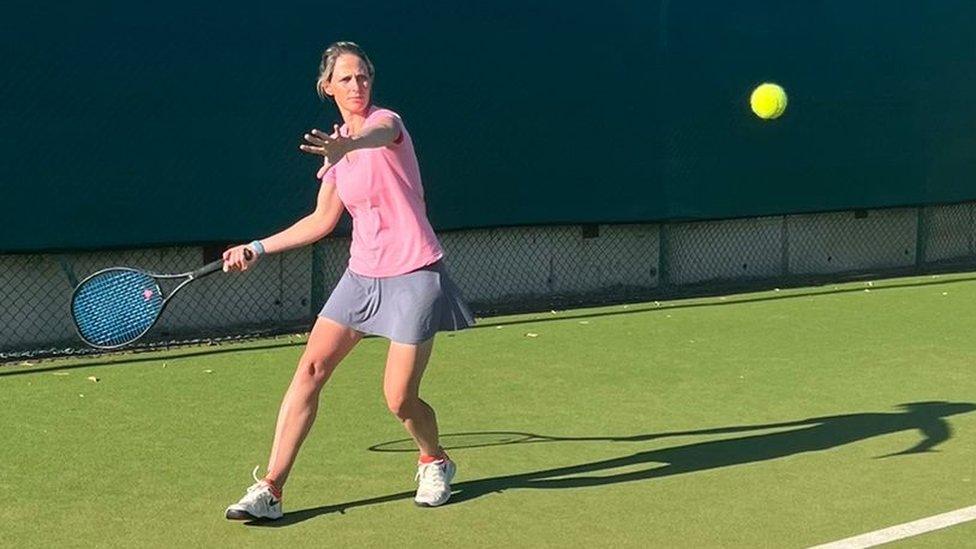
(327, 345)
(405, 365)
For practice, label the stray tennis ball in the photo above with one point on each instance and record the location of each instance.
(768, 101)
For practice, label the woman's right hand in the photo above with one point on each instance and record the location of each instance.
(239, 258)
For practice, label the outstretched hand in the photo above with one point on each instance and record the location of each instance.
(332, 147)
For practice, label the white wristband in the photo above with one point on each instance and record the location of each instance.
(257, 247)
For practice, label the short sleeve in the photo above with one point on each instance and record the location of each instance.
(382, 115)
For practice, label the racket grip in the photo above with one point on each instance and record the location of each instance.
(209, 268)
(217, 265)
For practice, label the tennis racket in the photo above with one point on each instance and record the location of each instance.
(114, 307)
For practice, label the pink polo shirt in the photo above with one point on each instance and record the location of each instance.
(382, 191)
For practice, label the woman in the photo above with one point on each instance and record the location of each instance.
(396, 285)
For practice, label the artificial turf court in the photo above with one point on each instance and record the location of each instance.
(774, 419)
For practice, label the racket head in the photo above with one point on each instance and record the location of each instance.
(114, 307)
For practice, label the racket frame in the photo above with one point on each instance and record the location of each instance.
(190, 276)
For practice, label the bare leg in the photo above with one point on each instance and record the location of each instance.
(328, 344)
(405, 366)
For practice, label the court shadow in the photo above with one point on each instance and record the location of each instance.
(127, 357)
(810, 287)
(800, 436)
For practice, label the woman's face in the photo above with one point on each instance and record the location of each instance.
(350, 85)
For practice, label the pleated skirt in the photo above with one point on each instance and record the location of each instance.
(408, 308)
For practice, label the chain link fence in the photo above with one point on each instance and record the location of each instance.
(501, 271)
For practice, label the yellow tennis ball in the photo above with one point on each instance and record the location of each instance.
(768, 101)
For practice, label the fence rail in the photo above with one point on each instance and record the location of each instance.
(502, 270)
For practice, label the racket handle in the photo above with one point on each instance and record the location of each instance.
(217, 265)
(209, 268)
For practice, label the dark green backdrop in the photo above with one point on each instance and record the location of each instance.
(129, 124)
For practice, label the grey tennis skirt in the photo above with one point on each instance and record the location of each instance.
(408, 308)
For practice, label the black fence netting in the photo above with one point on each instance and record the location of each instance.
(500, 271)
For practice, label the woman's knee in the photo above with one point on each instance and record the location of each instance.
(315, 369)
(402, 405)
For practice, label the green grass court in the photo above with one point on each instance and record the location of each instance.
(773, 419)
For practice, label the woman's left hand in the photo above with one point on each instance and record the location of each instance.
(332, 147)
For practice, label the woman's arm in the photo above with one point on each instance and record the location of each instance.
(382, 133)
(312, 227)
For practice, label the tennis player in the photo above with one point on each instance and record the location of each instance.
(396, 285)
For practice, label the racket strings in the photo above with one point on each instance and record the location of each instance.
(116, 307)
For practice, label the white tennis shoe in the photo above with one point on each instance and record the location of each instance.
(257, 503)
(435, 482)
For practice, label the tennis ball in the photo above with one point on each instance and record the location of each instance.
(768, 101)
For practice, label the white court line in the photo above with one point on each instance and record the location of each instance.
(902, 531)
